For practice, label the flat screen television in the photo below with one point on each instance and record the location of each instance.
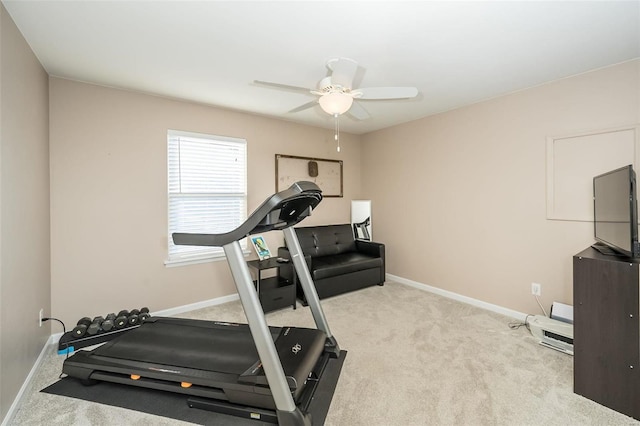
(615, 212)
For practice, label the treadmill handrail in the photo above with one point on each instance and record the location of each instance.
(282, 210)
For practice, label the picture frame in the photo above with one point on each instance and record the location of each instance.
(260, 245)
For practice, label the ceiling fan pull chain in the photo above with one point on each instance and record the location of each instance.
(337, 135)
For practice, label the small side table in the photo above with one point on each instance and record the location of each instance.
(273, 292)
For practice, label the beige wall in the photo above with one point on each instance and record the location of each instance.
(459, 198)
(109, 201)
(24, 210)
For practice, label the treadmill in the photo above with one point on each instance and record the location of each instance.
(253, 371)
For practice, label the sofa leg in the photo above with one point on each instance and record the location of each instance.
(381, 284)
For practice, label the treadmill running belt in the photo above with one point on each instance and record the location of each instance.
(227, 348)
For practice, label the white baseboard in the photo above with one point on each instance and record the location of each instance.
(198, 305)
(460, 298)
(25, 386)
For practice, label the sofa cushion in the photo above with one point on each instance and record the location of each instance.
(326, 240)
(340, 264)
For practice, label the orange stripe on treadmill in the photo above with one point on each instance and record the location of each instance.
(186, 384)
(135, 377)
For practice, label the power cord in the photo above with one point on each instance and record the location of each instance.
(516, 324)
(64, 331)
(541, 307)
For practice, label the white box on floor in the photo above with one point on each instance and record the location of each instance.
(552, 333)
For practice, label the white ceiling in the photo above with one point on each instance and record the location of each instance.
(455, 53)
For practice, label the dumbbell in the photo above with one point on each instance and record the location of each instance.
(121, 320)
(132, 319)
(109, 322)
(137, 316)
(96, 326)
(81, 328)
(143, 315)
(107, 325)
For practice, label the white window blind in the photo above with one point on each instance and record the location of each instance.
(207, 189)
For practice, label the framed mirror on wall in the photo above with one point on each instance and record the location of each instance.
(361, 219)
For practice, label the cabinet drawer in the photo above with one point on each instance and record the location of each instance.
(277, 298)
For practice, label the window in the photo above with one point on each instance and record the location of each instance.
(207, 190)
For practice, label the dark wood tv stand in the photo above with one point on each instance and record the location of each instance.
(606, 330)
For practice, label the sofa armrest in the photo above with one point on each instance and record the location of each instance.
(374, 249)
(286, 269)
(370, 247)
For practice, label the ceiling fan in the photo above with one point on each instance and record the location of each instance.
(336, 93)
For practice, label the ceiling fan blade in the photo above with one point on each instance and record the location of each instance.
(282, 86)
(305, 106)
(387, 92)
(358, 112)
(343, 71)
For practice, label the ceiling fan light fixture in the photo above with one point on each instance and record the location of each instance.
(335, 103)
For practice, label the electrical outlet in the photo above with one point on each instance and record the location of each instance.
(40, 315)
(536, 289)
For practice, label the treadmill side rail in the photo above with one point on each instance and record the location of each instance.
(257, 323)
(306, 282)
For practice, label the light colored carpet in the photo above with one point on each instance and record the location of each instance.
(414, 358)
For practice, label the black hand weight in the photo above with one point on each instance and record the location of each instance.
(121, 322)
(79, 331)
(108, 324)
(94, 328)
(85, 320)
(81, 328)
(133, 319)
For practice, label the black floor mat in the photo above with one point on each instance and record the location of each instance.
(172, 405)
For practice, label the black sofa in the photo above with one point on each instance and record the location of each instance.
(338, 262)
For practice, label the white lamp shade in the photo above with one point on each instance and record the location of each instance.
(335, 103)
